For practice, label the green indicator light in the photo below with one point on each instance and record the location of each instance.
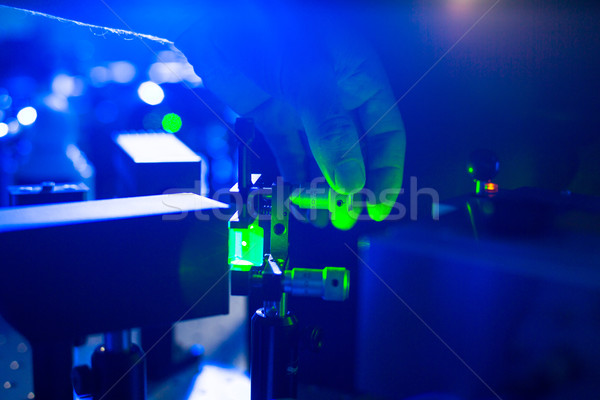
(477, 187)
(471, 170)
(171, 122)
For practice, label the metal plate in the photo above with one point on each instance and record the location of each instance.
(78, 268)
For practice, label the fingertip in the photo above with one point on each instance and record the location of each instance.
(381, 210)
(378, 212)
(384, 186)
(349, 176)
(343, 223)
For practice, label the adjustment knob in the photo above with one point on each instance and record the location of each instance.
(329, 283)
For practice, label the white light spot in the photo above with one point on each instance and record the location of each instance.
(122, 71)
(161, 72)
(99, 75)
(173, 67)
(220, 383)
(14, 365)
(27, 116)
(172, 72)
(57, 102)
(151, 93)
(80, 162)
(63, 84)
(30, 396)
(169, 55)
(79, 86)
(13, 126)
(3, 129)
(73, 152)
(87, 172)
(190, 75)
(5, 101)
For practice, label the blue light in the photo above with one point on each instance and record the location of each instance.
(57, 102)
(3, 129)
(151, 93)
(13, 126)
(27, 116)
(122, 71)
(5, 101)
(64, 85)
(216, 382)
(99, 76)
(79, 161)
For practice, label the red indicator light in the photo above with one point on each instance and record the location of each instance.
(491, 187)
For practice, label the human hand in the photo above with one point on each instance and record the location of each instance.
(299, 74)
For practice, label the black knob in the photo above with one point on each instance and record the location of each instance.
(483, 165)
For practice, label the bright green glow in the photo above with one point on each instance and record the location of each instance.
(344, 213)
(471, 170)
(312, 198)
(241, 265)
(477, 187)
(246, 245)
(473, 226)
(241, 262)
(347, 283)
(379, 212)
(171, 122)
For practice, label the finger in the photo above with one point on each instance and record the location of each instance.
(329, 127)
(331, 132)
(385, 149)
(363, 84)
